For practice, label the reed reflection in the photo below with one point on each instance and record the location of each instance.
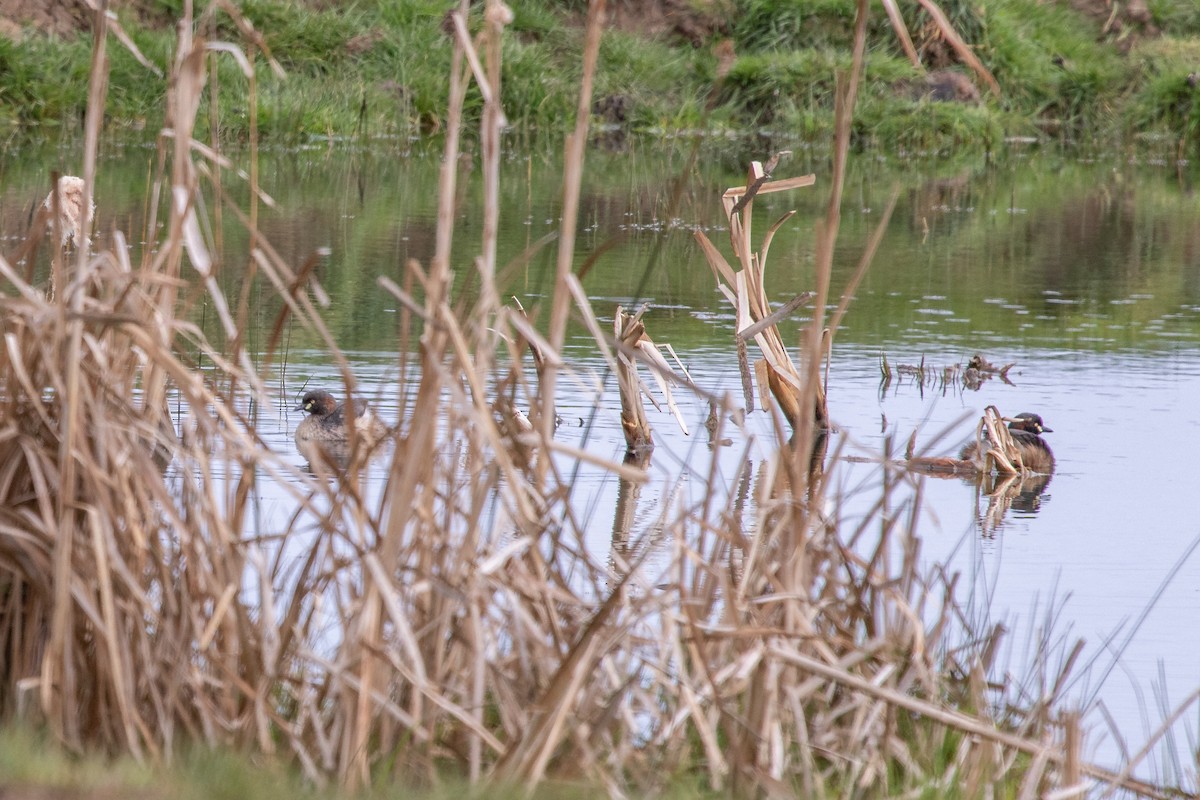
(629, 494)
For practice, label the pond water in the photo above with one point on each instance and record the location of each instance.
(1083, 274)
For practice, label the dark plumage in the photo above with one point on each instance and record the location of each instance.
(1026, 430)
(326, 420)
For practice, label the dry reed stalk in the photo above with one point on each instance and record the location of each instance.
(58, 678)
(572, 181)
(901, 30)
(818, 337)
(104, 469)
(496, 15)
(960, 47)
(796, 577)
(407, 478)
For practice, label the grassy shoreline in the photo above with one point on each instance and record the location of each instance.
(376, 72)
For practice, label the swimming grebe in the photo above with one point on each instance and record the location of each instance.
(326, 420)
(1026, 430)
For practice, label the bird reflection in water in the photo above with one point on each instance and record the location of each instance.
(337, 460)
(1023, 494)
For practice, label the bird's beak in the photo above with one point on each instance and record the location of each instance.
(299, 407)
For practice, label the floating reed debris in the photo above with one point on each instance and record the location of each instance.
(972, 375)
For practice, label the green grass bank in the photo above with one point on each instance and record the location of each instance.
(1066, 71)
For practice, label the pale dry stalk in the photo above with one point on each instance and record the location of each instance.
(572, 182)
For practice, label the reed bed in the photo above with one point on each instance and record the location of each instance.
(454, 625)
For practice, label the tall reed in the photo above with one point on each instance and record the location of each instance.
(459, 623)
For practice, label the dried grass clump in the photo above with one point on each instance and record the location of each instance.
(68, 200)
(458, 622)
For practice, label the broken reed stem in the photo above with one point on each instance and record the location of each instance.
(407, 476)
(248, 284)
(746, 291)
(826, 233)
(628, 331)
(58, 680)
(496, 16)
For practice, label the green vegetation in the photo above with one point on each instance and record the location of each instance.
(33, 765)
(378, 70)
(42, 82)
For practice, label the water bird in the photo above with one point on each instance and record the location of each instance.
(1026, 430)
(326, 422)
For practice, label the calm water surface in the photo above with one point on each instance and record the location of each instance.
(1086, 276)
